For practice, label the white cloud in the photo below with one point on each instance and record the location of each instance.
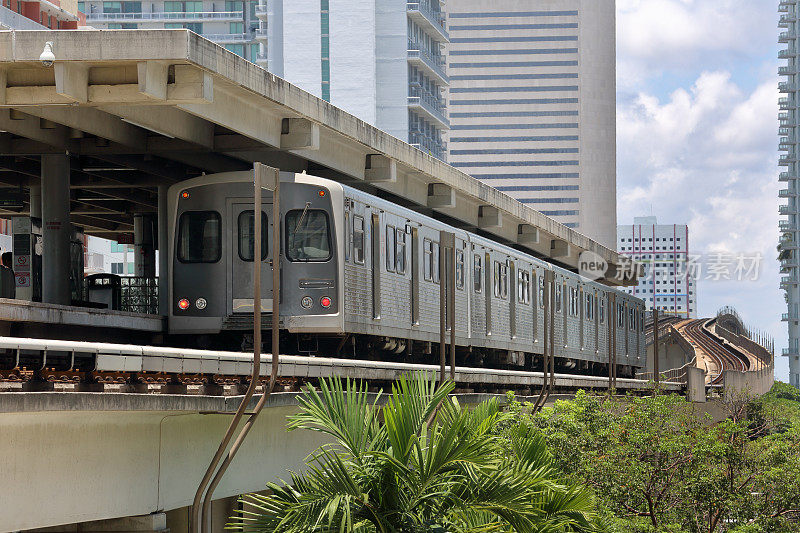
(706, 155)
(654, 35)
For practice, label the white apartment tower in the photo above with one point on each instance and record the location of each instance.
(533, 106)
(788, 130)
(669, 282)
(380, 60)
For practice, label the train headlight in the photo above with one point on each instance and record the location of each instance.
(307, 302)
(325, 302)
(183, 303)
(200, 303)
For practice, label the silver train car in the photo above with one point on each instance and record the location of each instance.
(360, 276)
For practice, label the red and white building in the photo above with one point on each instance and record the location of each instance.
(669, 283)
(40, 14)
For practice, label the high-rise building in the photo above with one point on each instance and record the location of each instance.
(238, 26)
(532, 105)
(789, 123)
(380, 60)
(669, 280)
(40, 15)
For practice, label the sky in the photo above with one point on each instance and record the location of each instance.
(697, 143)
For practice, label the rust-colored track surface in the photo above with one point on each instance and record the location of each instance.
(711, 352)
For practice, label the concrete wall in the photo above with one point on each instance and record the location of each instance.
(301, 48)
(754, 383)
(64, 467)
(391, 68)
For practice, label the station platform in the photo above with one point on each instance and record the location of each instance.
(21, 316)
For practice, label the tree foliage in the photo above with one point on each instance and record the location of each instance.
(419, 462)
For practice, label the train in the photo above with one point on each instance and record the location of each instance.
(360, 277)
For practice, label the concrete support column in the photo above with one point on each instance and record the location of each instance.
(56, 229)
(163, 251)
(144, 235)
(36, 201)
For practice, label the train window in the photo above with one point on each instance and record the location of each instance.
(460, 269)
(589, 307)
(620, 316)
(602, 307)
(390, 248)
(435, 262)
(559, 290)
(429, 260)
(245, 223)
(308, 235)
(477, 270)
(199, 237)
(631, 318)
(348, 229)
(523, 287)
(400, 259)
(541, 292)
(500, 280)
(358, 239)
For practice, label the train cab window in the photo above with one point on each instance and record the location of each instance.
(400, 259)
(523, 287)
(390, 248)
(199, 237)
(245, 223)
(358, 239)
(308, 236)
(460, 269)
(541, 292)
(477, 272)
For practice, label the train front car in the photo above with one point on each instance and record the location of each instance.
(211, 294)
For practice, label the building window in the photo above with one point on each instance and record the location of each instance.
(237, 49)
(236, 27)
(116, 268)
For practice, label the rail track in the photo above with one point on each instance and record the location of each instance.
(696, 331)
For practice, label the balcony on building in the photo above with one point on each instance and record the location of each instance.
(260, 34)
(787, 351)
(787, 159)
(262, 61)
(427, 144)
(227, 38)
(786, 36)
(786, 225)
(788, 316)
(788, 281)
(432, 65)
(787, 70)
(787, 176)
(429, 17)
(429, 106)
(787, 87)
(168, 16)
(787, 193)
(261, 11)
(787, 102)
(786, 130)
(786, 142)
(790, 51)
(786, 19)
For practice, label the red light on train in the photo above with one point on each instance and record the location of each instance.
(185, 195)
(183, 303)
(321, 194)
(325, 302)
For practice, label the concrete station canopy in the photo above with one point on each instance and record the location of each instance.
(141, 108)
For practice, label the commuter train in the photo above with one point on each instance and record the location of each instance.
(360, 277)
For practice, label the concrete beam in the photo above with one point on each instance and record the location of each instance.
(559, 248)
(153, 77)
(72, 81)
(299, 134)
(380, 168)
(489, 217)
(441, 195)
(167, 121)
(527, 234)
(95, 122)
(25, 125)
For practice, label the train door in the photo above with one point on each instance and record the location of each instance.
(376, 265)
(242, 224)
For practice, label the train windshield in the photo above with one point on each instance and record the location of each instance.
(307, 235)
(199, 237)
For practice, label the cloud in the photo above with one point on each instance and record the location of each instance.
(706, 155)
(658, 35)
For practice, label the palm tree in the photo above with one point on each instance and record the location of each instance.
(421, 462)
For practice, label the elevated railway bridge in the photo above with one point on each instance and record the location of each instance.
(102, 421)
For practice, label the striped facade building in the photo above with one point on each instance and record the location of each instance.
(532, 105)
